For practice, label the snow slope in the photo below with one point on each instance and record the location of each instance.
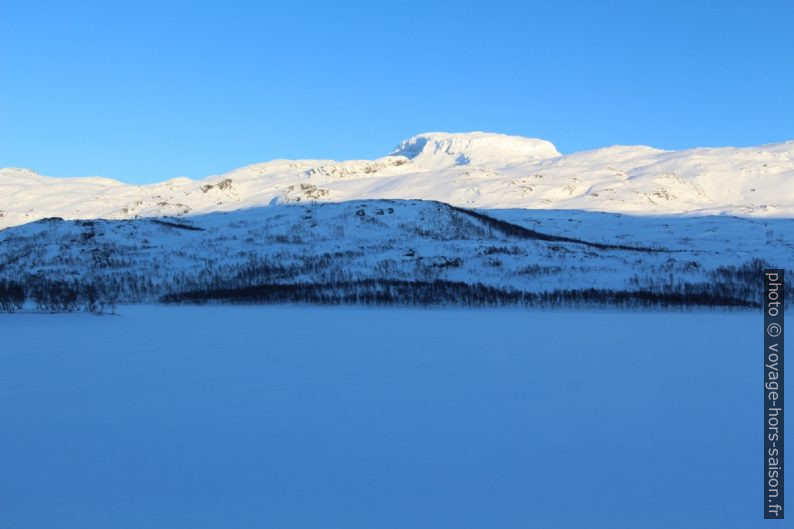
(473, 170)
(402, 240)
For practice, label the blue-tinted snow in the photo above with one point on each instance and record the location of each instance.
(224, 417)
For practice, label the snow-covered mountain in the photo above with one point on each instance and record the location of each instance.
(475, 170)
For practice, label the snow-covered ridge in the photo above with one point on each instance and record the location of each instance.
(472, 170)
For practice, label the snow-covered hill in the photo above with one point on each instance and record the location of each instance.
(408, 251)
(477, 170)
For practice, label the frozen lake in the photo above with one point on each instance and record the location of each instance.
(282, 417)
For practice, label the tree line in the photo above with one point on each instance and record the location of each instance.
(451, 293)
(48, 295)
(324, 283)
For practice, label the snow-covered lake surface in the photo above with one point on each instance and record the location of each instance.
(296, 417)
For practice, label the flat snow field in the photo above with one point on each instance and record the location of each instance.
(297, 417)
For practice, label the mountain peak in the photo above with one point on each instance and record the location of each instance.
(474, 170)
(437, 150)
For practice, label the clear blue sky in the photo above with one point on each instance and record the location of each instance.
(148, 90)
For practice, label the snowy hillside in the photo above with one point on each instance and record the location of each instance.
(406, 252)
(475, 170)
